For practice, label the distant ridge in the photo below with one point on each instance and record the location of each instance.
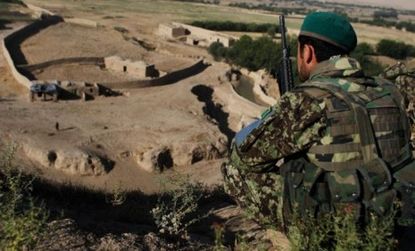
(397, 4)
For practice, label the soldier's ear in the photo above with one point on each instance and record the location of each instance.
(308, 54)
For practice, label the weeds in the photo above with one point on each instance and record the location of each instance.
(21, 219)
(219, 237)
(177, 210)
(117, 197)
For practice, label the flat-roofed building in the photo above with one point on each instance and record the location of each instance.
(171, 31)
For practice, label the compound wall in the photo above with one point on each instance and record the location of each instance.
(81, 60)
(169, 78)
(13, 41)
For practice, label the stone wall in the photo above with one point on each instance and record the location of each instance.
(10, 45)
(75, 60)
(37, 10)
(208, 35)
(171, 31)
(20, 78)
(169, 78)
(137, 69)
(260, 79)
(82, 22)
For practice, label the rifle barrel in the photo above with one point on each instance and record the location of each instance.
(287, 75)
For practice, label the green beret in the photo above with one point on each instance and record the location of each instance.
(330, 27)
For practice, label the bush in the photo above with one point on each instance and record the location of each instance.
(397, 50)
(177, 210)
(364, 49)
(257, 54)
(406, 25)
(217, 50)
(361, 53)
(21, 220)
(339, 231)
(262, 53)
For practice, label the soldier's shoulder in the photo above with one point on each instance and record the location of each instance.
(301, 99)
(315, 88)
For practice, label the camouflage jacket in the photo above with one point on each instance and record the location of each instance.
(403, 75)
(295, 123)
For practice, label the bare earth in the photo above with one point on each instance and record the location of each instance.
(121, 128)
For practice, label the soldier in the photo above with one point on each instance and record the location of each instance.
(404, 77)
(343, 136)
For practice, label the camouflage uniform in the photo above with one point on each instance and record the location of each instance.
(318, 139)
(404, 78)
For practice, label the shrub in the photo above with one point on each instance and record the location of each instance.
(364, 49)
(397, 50)
(361, 53)
(339, 231)
(217, 50)
(21, 219)
(177, 210)
(257, 54)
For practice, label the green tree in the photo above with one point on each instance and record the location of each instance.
(271, 32)
(361, 53)
(217, 50)
(394, 49)
(364, 49)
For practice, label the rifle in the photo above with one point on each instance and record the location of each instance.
(285, 76)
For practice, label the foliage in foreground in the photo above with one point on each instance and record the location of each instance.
(341, 232)
(21, 219)
(178, 209)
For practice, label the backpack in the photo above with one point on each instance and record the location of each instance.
(363, 164)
